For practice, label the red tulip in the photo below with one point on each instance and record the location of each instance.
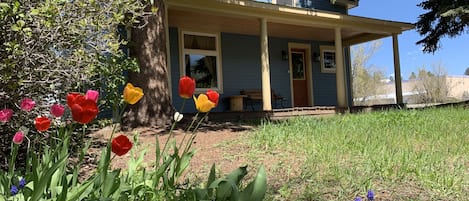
(71, 98)
(186, 87)
(42, 123)
(121, 145)
(213, 96)
(83, 110)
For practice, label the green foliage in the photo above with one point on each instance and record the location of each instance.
(230, 188)
(432, 86)
(402, 154)
(466, 72)
(444, 18)
(49, 48)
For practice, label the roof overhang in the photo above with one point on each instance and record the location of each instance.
(242, 16)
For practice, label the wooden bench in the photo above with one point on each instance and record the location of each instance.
(253, 96)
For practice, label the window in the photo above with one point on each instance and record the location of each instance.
(201, 59)
(327, 59)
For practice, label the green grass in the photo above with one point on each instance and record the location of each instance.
(401, 155)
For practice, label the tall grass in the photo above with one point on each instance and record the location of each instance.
(401, 155)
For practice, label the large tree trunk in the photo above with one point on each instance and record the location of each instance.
(149, 47)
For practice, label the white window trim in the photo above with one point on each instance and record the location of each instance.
(217, 53)
(323, 49)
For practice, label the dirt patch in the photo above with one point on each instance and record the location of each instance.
(211, 145)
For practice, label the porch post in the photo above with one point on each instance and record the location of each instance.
(397, 70)
(266, 97)
(340, 71)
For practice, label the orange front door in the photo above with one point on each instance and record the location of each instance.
(300, 77)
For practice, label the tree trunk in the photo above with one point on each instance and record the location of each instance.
(149, 48)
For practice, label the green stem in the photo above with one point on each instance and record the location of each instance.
(158, 156)
(188, 128)
(194, 133)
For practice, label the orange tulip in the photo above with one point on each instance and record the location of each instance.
(132, 94)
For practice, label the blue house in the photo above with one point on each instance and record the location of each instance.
(296, 49)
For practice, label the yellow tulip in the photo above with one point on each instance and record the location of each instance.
(132, 94)
(203, 104)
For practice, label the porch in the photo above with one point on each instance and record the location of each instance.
(248, 38)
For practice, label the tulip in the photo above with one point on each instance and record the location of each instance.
(186, 87)
(203, 104)
(132, 94)
(92, 95)
(71, 98)
(42, 123)
(213, 96)
(57, 110)
(121, 145)
(5, 115)
(178, 117)
(84, 110)
(18, 137)
(27, 104)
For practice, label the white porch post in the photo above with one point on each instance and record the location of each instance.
(397, 70)
(340, 71)
(266, 97)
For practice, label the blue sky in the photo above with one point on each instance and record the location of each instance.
(454, 54)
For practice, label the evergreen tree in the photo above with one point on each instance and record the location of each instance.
(444, 18)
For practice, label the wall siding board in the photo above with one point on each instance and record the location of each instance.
(241, 67)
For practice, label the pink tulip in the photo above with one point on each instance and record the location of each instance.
(18, 138)
(5, 115)
(57, 110)
(27, 104)
(92, 95)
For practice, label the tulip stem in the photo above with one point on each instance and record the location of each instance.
(194, 133)
(169, 137)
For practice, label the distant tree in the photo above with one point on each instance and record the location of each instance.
(467, 71)
(365, 79)
(444, 18)
(412, 76)
(432, 87)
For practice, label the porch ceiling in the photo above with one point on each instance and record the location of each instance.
(243, 17)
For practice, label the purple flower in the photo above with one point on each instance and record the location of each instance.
(14, 190)
(370, 195)
(22, 183)
(358, 199)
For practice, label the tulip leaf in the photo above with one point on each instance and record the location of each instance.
(255, 191)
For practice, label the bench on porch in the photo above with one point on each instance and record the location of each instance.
(253, 96)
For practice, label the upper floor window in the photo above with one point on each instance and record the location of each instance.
(201, 59)
(327, 59)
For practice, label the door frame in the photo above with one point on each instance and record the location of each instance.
(309, 70)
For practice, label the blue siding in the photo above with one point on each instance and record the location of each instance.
(241, 68)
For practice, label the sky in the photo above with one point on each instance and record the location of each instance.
(453, 55)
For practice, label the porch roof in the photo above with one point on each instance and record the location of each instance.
(242, 16)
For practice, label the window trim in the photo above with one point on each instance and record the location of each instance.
(323, 49)
(217, 53)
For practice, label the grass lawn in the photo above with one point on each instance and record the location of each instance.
(400, 155)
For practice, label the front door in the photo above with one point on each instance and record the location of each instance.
(300, 77)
